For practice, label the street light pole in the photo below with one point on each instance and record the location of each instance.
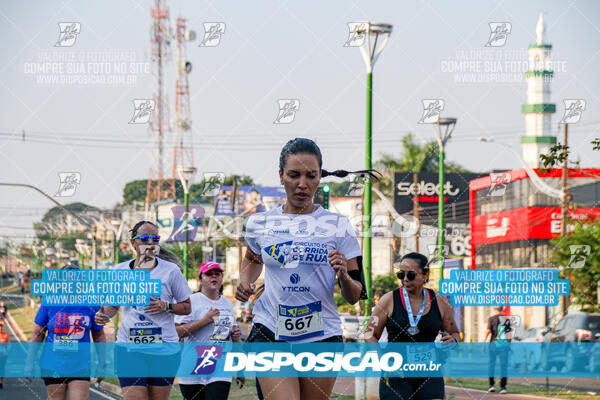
(51, 199)
(185, 176)
(445, 127)
(370, 52)
(535, 179)
(87, 224)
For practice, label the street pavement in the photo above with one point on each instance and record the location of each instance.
(22, 389)
(19, 388)
(346, 386)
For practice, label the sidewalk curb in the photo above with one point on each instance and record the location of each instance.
(16, 327)
(112, 388)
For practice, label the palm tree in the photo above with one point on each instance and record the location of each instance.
(414, 158)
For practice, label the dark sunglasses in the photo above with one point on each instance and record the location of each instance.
(410, 275)
(145, 238)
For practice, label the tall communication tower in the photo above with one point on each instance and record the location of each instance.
(183, 152)
(158, 186)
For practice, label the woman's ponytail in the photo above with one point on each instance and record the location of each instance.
(363, 173)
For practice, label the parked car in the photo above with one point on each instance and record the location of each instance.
(247, 314)
(533, 354)
(572, 329)
(594, 366)
(351, 326)
(243, 310)
(238, 309)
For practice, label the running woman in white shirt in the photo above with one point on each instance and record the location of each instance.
(304, 248)
(211, 320)
(151, 324)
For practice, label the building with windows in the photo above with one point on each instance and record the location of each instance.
(512, 223)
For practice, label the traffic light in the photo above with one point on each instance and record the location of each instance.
(326, 197)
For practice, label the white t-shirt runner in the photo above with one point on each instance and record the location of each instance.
(141, 328)
(217, 331)
(297, 303)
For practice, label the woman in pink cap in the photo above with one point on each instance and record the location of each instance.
(211, 320)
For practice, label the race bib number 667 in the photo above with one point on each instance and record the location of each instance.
(299, 322)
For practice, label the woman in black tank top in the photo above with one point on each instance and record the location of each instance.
(429, 325)
(430, 314)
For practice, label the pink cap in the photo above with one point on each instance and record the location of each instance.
(208, 265)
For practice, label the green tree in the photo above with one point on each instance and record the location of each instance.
(582, 280)
(414, 158)
(339, 189)
(242, 180)
(199, 189)
(558, 152)
(76, 208)
(136, 190)
(387, 283)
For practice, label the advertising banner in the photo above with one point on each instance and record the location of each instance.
(251, 199)
(426, 190)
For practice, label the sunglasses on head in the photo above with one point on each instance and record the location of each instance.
(146, 238)
(410, 275)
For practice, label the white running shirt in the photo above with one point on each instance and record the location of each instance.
(298, 278)
(175, 289)
(213, 332)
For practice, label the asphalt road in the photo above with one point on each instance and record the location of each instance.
(22, 389)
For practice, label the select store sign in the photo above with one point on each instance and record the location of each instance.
(427, 191)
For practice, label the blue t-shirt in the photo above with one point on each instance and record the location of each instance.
(67, 327)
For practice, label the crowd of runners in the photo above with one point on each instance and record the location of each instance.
(314, 257)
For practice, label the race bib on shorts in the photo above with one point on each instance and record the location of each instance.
(145, 336)
(421, 354)
(299, 322)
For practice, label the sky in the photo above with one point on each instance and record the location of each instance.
(75, 103)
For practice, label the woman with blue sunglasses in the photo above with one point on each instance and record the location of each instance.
(151, 324)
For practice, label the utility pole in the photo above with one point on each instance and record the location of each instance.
(442, 136)
(235, 206)
(158, 186)
(370, 51)
(565, 203)
(416, 208)
(565, 200)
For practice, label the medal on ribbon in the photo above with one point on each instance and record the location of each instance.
(413, 321)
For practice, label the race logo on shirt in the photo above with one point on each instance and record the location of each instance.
(222, 328)
(279, 252)
(71, 324)
(207, 359)
(290, 254)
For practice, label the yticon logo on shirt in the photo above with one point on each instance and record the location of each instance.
(294, 280)
(207, 359)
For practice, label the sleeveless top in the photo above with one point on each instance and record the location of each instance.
(429, 325)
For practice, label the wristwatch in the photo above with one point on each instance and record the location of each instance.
(169, 307)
